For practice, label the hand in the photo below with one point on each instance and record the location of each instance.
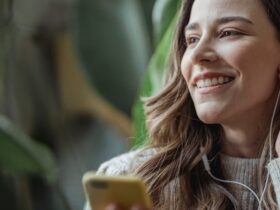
(117, 207)
(277, 145)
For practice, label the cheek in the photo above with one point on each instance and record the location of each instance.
(185, 68)
(236, 55)
(257, 68)
(250, 57)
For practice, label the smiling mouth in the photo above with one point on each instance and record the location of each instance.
(215, 81)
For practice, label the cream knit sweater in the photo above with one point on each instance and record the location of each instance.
(236, 169)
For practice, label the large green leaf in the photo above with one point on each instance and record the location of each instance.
(163, 13)
(114, 47)
(20, 154)
(152, 82)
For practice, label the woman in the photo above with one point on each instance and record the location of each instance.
(218, 100)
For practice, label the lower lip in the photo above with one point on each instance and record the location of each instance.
(214, 89)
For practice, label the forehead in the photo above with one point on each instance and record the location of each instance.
(207, 10)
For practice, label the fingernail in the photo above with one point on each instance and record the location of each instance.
(112, 207)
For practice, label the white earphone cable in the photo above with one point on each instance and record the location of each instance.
(208, 168)
(234, 182)
(270, 147)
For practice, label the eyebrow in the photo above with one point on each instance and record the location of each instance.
(223, 20)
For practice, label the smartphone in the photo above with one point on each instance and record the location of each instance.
(123, 190)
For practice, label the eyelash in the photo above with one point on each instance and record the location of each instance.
(233, 33)
(190, 40)
(223, 34)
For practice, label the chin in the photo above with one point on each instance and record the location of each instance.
(209, 118)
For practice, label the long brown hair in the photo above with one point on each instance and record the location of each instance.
(176, 131)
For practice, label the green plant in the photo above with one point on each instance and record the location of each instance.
(19, 154)
(165, 14)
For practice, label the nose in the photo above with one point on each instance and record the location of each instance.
(204, 52)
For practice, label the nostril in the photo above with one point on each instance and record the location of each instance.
(202, 56)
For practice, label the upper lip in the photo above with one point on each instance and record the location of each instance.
(209, 75)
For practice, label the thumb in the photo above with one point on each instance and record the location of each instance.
(113, 206)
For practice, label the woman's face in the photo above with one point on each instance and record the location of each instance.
(232, 59)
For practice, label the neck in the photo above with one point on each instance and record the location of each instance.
(240, 142)
(244, 136)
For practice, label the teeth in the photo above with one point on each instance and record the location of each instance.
(226, 79)
(208, 82)
(215, 81)
(212, 82)
(221, 80)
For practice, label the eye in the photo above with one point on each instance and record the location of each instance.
(191, 40)
(229, 33)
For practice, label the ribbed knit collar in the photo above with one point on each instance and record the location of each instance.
(242, 170)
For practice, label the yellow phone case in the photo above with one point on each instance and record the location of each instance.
(123, 190)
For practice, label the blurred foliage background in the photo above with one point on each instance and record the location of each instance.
(71, 76)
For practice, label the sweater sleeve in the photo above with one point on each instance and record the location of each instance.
(274, 171)
(124, 164)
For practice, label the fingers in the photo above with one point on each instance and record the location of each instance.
(113, 207)
(138, 207)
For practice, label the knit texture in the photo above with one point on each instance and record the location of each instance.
(274, 170)
(236, 169)
(244, 171)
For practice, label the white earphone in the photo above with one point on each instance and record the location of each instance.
(208, 168)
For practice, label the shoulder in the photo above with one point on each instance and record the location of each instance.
(126, 163)
(274, 171)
